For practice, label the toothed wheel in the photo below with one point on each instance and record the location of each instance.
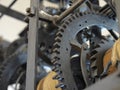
(96, 58)
(12, 72)
(77, 29)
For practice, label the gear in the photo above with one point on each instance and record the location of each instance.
(66, 39)
(16, 62)
(96, 58)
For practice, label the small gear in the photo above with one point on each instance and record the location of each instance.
(66, 39)
(96, 58)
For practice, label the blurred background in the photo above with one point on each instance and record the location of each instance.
(12, 13)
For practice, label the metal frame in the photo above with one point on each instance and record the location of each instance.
(32, 45)
(10, 12)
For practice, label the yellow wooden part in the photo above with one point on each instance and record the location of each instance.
(48, 83)
(106, 59)
(116, 52)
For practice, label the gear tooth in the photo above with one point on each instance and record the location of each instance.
(61, 85)
(97, 46)
(92, 58)
(56, 50)
(54, 55)
(58, 77)
(58, 39)
(53, 60)
(93, 52)
(70, 20)
(56, 64)
(67, 22)
(55, 69)
(63, 26)
(62, 30)
(56, 45)
(73, 17)
(55, 77)
(57, 58)
(95, 73)
(93, 64)
(59, 34)
(81, 14)
(77, 14)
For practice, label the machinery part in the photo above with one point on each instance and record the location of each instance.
(12, 71)
(17, 63)
(44, 85)
(96, 58)
(77, 71)
(115, 53)
(111, 82)
(107, 59)
(14, 46)
(85, 66)
(57, 19)
(66, 39)
(3, 45)
(107, 11)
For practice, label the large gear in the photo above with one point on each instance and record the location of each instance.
(66, 39)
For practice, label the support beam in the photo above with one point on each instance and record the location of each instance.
(32, 45)
(12, 13)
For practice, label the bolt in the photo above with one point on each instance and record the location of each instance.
(26, 19)
(31, 11)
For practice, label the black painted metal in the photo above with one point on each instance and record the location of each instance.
(12, 13)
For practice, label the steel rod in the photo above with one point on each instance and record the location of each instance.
(32, 46)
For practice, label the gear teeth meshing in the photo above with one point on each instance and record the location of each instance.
(58, 77)
(61, 35)
(61, 85)
(56, 67)
(95, 56)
